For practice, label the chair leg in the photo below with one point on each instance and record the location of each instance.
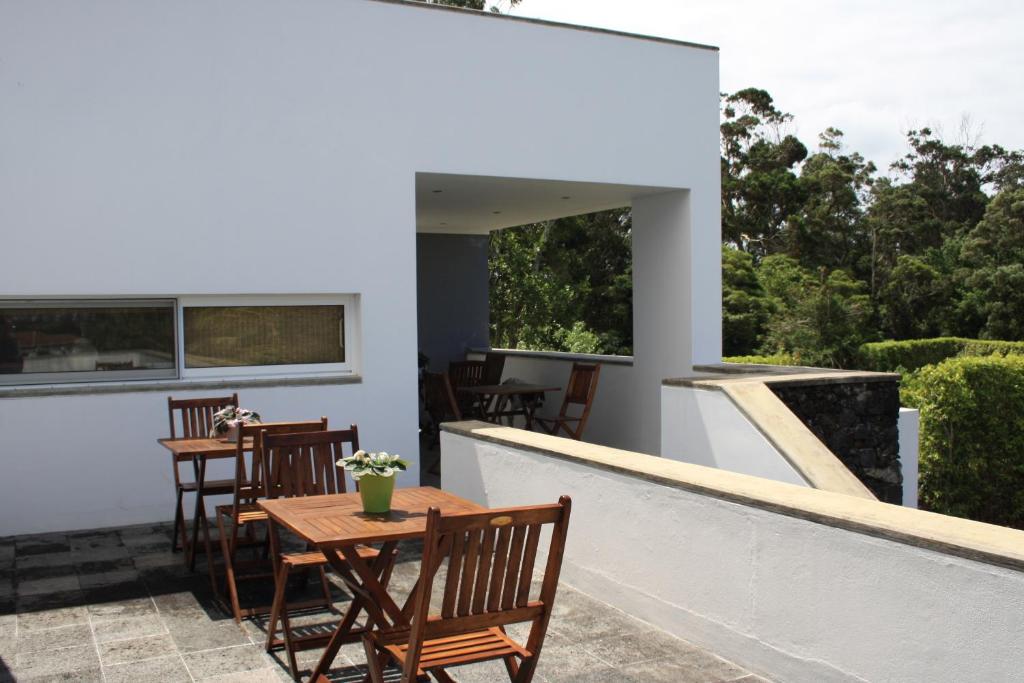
(179, 523)
(229, 570)
(374, 663)
(326, 587)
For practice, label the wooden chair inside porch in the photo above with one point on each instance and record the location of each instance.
(466, 373)
(249, 485)
(298, 465)
(580, 392)
(490, 561)
(195, 417)
(439, 402)
(494, 368)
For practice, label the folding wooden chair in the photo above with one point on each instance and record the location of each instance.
(305, 465)
(248, 486)
(581, 390)
(195, 415)
(465, 373)
(494, 367)
(491, 558)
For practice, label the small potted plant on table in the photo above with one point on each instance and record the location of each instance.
(374, 474)
(227, 421)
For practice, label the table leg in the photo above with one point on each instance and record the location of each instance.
(367, 594)
(199, 467)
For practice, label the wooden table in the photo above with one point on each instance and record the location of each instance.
(336, 524)
(493, 397)
(199, 451)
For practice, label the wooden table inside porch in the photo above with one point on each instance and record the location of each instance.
(336, 524)
(493, 397)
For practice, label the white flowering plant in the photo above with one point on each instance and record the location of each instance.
(362, 464)
(227, 419)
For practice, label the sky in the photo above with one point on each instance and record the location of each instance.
(874, 69)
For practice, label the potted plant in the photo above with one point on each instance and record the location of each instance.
(374, 474)
(227, 421)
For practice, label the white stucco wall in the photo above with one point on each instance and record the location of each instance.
(257, 146)
(706, 428)
(909, 426)
(793, 599)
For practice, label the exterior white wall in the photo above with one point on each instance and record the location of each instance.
(706, 428)
(254, 146)
(792, 599)
(909, 426)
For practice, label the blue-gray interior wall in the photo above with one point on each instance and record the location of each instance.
(453, 309)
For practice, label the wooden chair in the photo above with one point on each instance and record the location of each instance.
(305, 465)
(195, 415)
(494, 367)
(581, 390)
(466, 373)
(248, 486)
(491, 559)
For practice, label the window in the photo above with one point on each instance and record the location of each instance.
(229, 336)
(82, 341)
(233, 336)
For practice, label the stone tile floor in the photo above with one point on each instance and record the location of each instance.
(115, 605)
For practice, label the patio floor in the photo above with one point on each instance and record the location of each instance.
(115, 605)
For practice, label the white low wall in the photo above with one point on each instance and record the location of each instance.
(707, 555)
(706, 428)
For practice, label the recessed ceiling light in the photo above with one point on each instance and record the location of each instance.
(566, 197)
(497, 212)
(437, 191)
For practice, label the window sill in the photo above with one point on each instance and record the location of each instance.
(138, 386)
(560, 355)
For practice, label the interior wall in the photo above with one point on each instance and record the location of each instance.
(453, 308)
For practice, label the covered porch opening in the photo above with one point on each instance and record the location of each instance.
(455, 216)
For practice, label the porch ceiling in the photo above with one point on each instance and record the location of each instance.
(466, 204)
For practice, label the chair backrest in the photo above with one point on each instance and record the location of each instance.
(439, 397)
(494, 367)
(196, 414)
(250, 482)
(466, 373)
(490, 561)
(297, 465)
(580, 391)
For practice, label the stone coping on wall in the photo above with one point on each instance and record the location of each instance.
(748, 387)
(43, 390)
(560, 355)
(951, 535)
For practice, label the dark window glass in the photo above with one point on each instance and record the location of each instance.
(76, 341)
(230, 336)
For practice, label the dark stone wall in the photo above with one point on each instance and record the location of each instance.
(453, 305)
(858, 422)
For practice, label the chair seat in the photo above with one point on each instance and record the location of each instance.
(247, 512)
(210, 486)
(478, 646)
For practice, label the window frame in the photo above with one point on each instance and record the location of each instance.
(350, 335)
(96, 376)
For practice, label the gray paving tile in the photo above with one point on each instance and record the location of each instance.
(193, 635)
(122, 651)
(563, 658)
(630, 649)
(596, 625)
(52, 618)
(48, 586)
(123, 576)
(269, 675)
(8, 625)
(41, 544)
(127, 607)
(72, 663)
(23, 562)
(53, 638)
(699, 666)
(163, 669)
(120, 628)
(100, 553)
(228, 660)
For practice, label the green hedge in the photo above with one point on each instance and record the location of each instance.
(911, 354)
(775, 359)
(972, 437)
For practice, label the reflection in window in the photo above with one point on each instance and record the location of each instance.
(85, 340)
(231, 336)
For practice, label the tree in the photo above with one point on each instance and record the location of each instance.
(471, 4)
(745, 305)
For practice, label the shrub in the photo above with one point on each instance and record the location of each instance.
(911, 354)
(972, 437)
(776, 359)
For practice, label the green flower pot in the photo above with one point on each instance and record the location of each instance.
(376, 493)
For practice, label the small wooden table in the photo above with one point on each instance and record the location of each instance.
(199, 451)
(493, 397)
(336, 524)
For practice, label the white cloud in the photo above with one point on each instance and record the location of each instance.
(871, 68)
